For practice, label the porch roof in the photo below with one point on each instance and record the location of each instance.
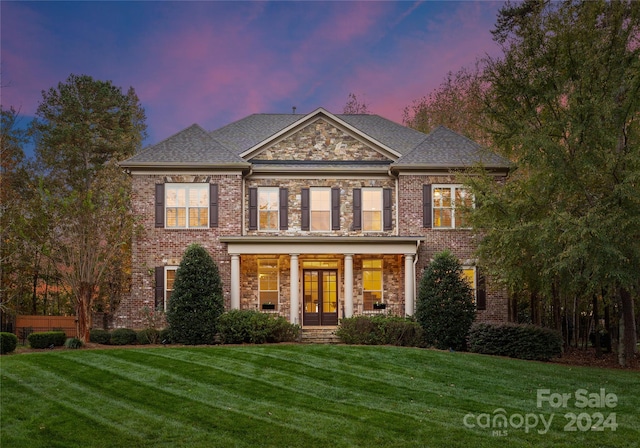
(271, 245)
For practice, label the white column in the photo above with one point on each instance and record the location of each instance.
(348, 285)
(295, 289)
(409, 280)
(235, 282)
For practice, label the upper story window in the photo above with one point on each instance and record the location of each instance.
(320, 206)
(268, 208)
(449, 206)
(372, 209)
(186, 205)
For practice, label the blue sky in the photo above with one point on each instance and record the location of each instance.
(213, 62)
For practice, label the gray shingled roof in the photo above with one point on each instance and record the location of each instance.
(443, 147)
(190, 147)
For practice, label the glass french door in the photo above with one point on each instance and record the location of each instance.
(320, 294)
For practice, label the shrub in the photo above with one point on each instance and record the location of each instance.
(148, 336)
(47, 339)
(516, 341)
(123, 336)
(254, 327)
(165, 336)
(73, 343)
(445, 307)
(196, 302)
(8, 342)
(380, 330)
(100, 336)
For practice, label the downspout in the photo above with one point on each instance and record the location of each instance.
(397, 229)
(415, 277)
(243, 230)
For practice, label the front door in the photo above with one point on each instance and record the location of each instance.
(320, 294)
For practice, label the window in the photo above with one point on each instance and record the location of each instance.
(320, 209)
(169, 279)
(268, 208)
(187, 205)
(268, 284)
(371, 283)
(372, 209)
(449, 203)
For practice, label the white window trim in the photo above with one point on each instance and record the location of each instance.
(453, 188)
(277, 192)
(187, 186)
(380, 190)
(311, 209)
(165, 298)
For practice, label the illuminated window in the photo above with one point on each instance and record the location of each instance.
(320, 200)
(371, 283)
(469, 274)
(169, 279)
(372, 209)
(268, 284)
(268, 208)
(450, 205)
(187, 205)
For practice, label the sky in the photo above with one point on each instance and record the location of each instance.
(214, 62)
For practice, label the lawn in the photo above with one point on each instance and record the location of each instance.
(293, 395)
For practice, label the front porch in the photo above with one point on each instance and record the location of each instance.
(316, 281)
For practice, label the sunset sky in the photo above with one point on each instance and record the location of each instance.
(213, 62)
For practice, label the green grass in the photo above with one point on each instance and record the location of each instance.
(294, 395)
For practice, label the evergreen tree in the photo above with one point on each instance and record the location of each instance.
(196, 301)
(445, 307)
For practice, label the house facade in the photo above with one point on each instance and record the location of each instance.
(314, 217)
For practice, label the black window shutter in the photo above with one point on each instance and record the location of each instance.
(357, 209)
(335, 208)
(213, 205)
(159, 203)
(427, 213)
(481, 291)
(304, 206)
(159, 287)
(284, 208)
(253, 209)
(387, 220)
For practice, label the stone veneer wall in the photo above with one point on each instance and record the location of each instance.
(462, 243)
(164, 247)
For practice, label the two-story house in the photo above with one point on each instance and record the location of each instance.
(315, 217)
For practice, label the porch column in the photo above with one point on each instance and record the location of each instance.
(235, 282)
(295, 289)
(348, 285)
(409, 281)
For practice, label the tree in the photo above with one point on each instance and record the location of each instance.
(445, 308)
(457, 104)
(353, 106)
(197, 300)
(83, 128)
(564, 104)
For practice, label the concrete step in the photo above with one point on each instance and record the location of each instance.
(320, 335)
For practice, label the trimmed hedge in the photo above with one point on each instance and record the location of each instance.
(123, 336)
(100, 336)
(8, 342)
(254, 327)
(515, 341)
(165, 336)
(73, 343)
(380, 330)
(47, 339)
(148, 336)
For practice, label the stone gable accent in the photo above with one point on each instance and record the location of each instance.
(320, 141)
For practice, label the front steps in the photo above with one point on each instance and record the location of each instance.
(319, 335)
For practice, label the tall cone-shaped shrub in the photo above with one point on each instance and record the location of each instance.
(197, 300)
(445, 307)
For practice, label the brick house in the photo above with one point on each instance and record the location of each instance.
(314, 217)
